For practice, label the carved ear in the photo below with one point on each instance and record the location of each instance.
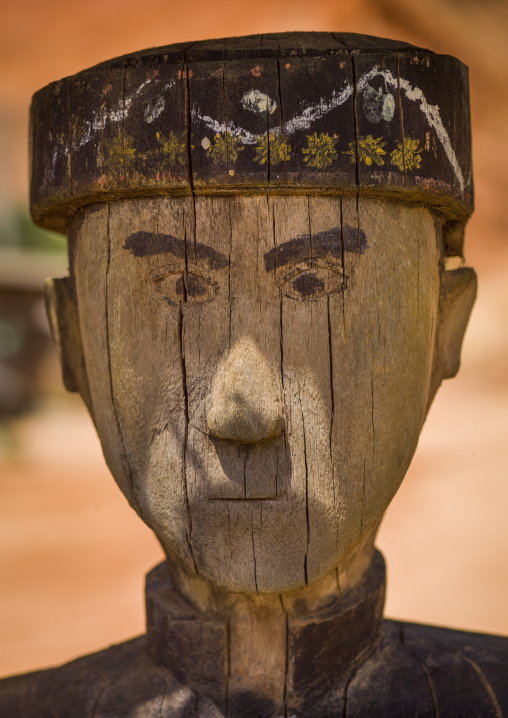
(62, 311)
(456, 298)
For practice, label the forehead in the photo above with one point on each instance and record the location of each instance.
(272, 231)
(257, 249)
(288, 229)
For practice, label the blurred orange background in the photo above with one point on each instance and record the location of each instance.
(72, 553)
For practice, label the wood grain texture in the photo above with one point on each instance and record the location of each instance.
(320, 112)
(342, 659)
(91, 248)
(163, 114)
(378, 112)
(50, 140)
(456, 298)
(252, 360)
(147, 362)
(258, 326)
(62, 311)
(423, 151)
(388, 351)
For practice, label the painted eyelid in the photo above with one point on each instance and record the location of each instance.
(199, 289)
(308, 264)
(157, 274)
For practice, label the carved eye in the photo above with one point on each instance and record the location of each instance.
(311, 282)
(178, 287)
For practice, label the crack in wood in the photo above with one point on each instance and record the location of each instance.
(188, 528)
(424, 669)
(125, 460)
(486, 685)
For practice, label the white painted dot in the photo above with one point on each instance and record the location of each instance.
(388, 107)
(205, 143)
(256, 101)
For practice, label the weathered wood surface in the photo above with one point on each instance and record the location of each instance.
(341, 660)
(90, 244)
(324, 112)
(249, 361)
(258, 319)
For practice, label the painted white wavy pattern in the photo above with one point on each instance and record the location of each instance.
(323, 107)
(300, 122)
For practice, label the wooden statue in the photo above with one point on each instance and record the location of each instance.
(266, 289)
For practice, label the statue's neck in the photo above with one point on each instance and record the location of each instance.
(267, 652)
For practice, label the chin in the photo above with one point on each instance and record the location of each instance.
(230, 579)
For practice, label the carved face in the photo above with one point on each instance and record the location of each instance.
(259, 371)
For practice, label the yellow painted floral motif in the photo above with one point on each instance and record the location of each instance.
(225, 148)
(409, 157)
(273, 147)
(118, 153)
(370, 150)
(173, 147)
(320, 151)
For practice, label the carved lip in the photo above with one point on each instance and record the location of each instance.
(250, 472)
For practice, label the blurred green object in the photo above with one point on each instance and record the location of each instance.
(28, 255)
(11, 338)
(17, 230)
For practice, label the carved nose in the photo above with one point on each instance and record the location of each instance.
(246, 404)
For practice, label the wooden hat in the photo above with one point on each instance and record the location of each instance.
(307, 112)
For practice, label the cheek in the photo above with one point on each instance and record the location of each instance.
(356, 370)
(382, 358)
(163, 360)
(150, 409)
(132, 343)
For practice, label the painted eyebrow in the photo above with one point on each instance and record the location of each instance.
(330, 241)
(144, 244)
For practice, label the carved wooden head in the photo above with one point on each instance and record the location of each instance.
(259, 364)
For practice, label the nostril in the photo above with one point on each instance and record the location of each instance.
(246, 406)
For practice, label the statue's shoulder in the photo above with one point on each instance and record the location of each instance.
(415, 670)
(118, 682)
(428, 670)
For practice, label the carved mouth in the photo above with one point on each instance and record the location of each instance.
(246, 472)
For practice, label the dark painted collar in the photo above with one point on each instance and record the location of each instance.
(325, 647)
